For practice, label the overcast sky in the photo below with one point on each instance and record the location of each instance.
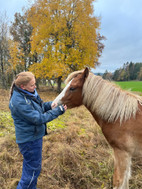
(12, 6)
(121, 24)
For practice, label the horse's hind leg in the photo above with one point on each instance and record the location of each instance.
(122, 169)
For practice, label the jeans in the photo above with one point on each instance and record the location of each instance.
(32, 154)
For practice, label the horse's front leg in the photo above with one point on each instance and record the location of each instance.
(122, 169)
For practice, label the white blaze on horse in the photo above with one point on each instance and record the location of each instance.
(117, 112)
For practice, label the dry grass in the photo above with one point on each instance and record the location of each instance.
(4, 98)
(74, 157)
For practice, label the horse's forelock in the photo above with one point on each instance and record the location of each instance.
(72, 75)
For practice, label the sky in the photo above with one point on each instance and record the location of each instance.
(11, 7)
(121, 24)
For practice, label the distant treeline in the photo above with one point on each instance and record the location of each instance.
(129, 71)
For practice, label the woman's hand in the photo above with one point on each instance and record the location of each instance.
(65, 107)
(54, 105)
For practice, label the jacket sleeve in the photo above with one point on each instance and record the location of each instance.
(47, 106)
(26, 112)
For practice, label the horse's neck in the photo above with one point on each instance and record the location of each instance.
(107, 102)
(96, 117)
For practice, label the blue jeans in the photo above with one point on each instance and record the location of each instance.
(32, 154)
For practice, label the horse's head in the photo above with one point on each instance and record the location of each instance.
(72, 93)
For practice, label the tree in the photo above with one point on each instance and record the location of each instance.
(122, 75)
(21, 32)
(107, 75)
(140, 74)
(130, 71)
(137, 68)
(16, 57)
(115, 75)
(4, 52)
(65, 36)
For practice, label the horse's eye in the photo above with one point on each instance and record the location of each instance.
(72, 89)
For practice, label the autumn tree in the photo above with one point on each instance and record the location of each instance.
(21, 32)
(16, 60)
(65, 37)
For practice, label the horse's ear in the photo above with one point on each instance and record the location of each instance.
(86, 73)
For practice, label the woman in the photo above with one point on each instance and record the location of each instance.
(30, 115)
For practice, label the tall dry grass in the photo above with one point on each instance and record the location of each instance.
(74, 157)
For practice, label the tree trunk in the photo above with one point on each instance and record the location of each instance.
(59, 82)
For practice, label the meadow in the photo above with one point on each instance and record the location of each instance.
(131, 85)
(75, 153)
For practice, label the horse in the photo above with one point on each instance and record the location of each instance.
(117, 112)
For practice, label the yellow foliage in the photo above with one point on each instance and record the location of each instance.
(64, 36)
(15, 55)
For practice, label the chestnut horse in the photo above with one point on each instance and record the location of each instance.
(117, 112)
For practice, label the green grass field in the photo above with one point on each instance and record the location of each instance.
(131, 85)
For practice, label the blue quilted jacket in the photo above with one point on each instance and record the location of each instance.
(30, 115)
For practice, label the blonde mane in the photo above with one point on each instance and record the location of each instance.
(108, 100)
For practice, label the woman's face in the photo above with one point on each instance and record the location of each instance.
(30, 86)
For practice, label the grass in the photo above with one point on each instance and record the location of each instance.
(131, 85)
(75, 153)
